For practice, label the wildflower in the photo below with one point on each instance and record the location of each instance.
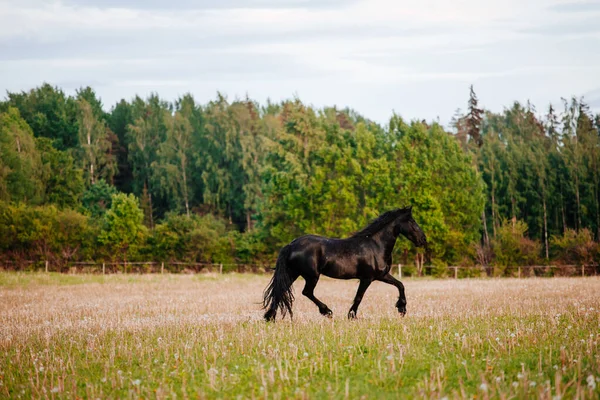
(532, 384)
(515, 384)
(498, 379)
(591, 382)
(483, 387)
(137, 382)
(55, 389)
(305, 354)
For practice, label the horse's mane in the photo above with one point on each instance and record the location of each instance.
(381, 222)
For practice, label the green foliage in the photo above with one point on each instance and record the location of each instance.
(144, 137)
(120, 117)
(269, 174)
(173, 166)
(63, 180)
(20, 162)
(196, 239)
(575, 247)
(49, 113)
(322, 177)
(95, 148)
(45, 233)
(98, 198)
(123, 232)
(511, 247)
(437, 178)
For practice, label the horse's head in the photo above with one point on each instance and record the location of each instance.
(407, 226)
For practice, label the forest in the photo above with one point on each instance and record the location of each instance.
(232, 181)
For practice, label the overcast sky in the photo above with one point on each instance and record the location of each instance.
(415, 57)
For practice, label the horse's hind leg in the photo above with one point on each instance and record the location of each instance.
(362, 288)
(308, 291)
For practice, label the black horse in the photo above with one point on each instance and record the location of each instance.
(366, 255)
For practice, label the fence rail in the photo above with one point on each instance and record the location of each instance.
(132, 267)
(195, 267)
(589, 269)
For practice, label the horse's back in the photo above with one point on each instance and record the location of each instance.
(336, 258)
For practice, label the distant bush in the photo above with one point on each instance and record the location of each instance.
(511, 247)
(123, 235)
(45, 233)
(575, 247)
(195, 239)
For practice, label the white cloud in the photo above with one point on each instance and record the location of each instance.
(374, 55)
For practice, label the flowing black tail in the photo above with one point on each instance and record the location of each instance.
(279, 292)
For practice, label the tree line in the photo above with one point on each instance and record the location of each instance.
(232, 181)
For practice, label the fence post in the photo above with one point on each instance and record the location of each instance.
(46, 266)
(519, 272)
(221, 268)
(103, 268)
(400, 271)
(162, 267)
(582, 270)
(455, 272)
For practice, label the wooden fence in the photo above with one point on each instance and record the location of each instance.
(194, 267)
(523, 270)
(132, 267)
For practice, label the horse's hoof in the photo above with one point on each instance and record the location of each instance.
(270, 316)
(327, 313)
(352, 314)
(402, 311)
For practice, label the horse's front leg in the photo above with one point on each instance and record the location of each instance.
(401, 304)
(362, 288)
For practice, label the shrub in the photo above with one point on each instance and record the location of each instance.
(574, 247)
(511, 248)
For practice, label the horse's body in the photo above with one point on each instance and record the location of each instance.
(366, 255)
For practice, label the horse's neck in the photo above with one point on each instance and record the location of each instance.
(388, 240)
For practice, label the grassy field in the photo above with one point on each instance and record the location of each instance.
(201, 336)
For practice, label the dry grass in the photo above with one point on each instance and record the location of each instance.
(203, 336)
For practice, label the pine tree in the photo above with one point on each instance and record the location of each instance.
(474, 119)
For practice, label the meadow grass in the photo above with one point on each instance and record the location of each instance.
(202, 336)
